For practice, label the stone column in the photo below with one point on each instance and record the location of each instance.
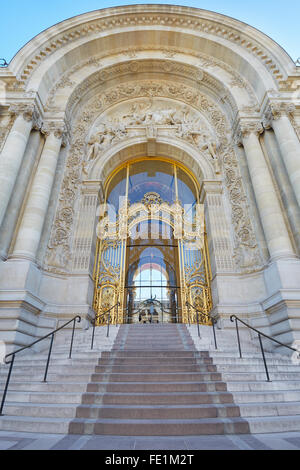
(288, 141)
(30, 161)
(31, 226)
(13, 151)
(218, 228)
(272, 220)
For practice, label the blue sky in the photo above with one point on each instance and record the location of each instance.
(21, 20)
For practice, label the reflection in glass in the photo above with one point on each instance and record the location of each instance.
(151, 176)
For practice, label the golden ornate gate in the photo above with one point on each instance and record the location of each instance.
(193, 255)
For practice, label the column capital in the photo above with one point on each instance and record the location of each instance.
(276, 110)
(248, 128)
(58, 129)
(29, 112)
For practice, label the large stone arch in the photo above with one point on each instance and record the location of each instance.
(238, 80)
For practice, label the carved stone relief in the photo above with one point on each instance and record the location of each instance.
(196, 73)
(92, 135)
(246, 252)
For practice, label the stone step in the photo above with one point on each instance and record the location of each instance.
(157, 377)
(63, 410)
(270, 396)
(150, 381)
(149, 353)
(150, 387)
(133, 361)
(273, 424)
(49, 387)
(121, 398)
(154, 369)
(159, 427)
(257, 367)
(251, 359)
(55, 369)
(157, 412)
(270, 409)
(43, 397)
(20, 364)
(71, 377)
(35, 424)
(260, 376)
(256, 386)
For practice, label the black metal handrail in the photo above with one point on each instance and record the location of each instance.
(13, 354)
(108, 321)
(260, 334)
(213, 320)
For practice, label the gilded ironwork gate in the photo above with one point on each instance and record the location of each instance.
(188, 229)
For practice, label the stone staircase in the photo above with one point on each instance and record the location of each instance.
(151, 380)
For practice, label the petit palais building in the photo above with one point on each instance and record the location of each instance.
(150, 198)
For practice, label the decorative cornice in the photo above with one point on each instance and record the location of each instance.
(192, 22)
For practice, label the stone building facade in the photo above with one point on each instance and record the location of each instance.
(156, 81)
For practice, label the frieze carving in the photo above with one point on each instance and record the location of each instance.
(150, 116)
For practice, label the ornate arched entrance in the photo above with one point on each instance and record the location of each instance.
(151, 246)
(111, 86)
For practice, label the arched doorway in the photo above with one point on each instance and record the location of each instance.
(152, 255)
(152, 274)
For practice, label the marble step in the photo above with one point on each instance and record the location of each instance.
(157, 412)
(269, 409)
(153, 387)
(159, 427)
(156, 398)
(257, 386)
(35, 424)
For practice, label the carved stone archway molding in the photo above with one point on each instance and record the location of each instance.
(203, 23)
(201, 74)
(59, 250)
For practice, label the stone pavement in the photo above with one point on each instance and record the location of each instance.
(32, 441)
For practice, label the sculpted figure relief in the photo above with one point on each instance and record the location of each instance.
(151, 115)
(95, 144)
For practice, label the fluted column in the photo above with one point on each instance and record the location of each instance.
(273, 223)
(31, 226)
(13, 151)
(277, 117)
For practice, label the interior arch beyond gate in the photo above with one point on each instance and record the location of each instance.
(152, 206)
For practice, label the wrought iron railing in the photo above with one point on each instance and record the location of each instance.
(98, 316)
(13, 354)
(202, 314)
(260, 334)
